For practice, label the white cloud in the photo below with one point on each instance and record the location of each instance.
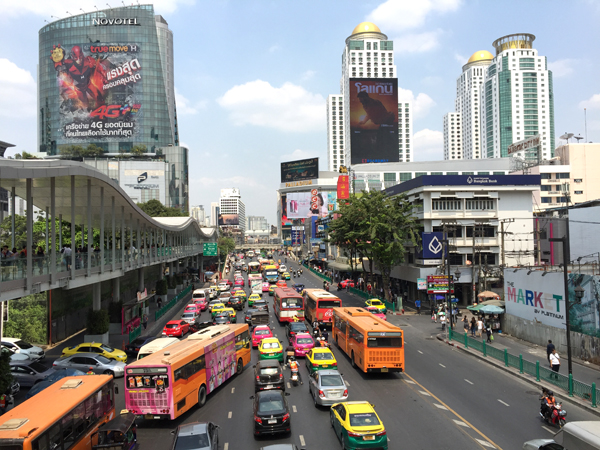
(298, 154)
(286, 108)
(428, 145)
(17, 91)
(421, 104)
(562, 67)
(592, 103)
(402, 15)
(59, 8)
(417, 42)
(308, 75)
(185, 107)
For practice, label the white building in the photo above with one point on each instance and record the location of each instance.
(197, 212)
(517, 99)
(335, 132)
(214, 213)
(257, 223)
(405, 131)
(231, 203)
(453, 148)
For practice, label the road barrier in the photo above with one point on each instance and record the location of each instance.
(162, 311)
(567, 383)
(135, 333)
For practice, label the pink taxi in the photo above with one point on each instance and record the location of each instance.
(376, 312)
(259, 333)
(266, 286)
(193, 308)
(302, 343)
(201, 303)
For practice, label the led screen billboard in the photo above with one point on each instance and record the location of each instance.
(310, 204)
(284, 212)
(304, 169)
(373, 120)
(100, 87)
(229, 219)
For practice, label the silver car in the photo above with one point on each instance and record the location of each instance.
(327, 387)
(189, 317)
(97, 363)
(20, 346)
(28, 373)
(196, 436)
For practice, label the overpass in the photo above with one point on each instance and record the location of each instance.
(73, 194)
(243, 247)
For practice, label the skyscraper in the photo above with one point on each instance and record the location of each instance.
(517, 98)
(197, 212)
(232, 211)
(453, 148)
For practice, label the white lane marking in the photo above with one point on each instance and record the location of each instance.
(420, 352)
(468, 381)
(409, 381)
(229, 415)
(302, 442)
(226, 446)
(442, 365)
(548, 429)
(461, 423)
(485, 443)
(504, 403)
(289, 385)
(440, 407)
(294, 408)
(232, 390)
(425, 393)
(347, 384)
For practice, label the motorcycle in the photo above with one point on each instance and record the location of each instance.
(321, 342)
(327, 287)
(553, 415)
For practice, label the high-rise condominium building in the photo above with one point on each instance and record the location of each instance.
(214, 214)
(256, 223)
(405, 131)
(232, 211)
(197, 212)
(517, 98)
(453, 148)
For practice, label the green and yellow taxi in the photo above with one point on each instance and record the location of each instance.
(285, 276)
(272, 290)
(271, 348)
(253, 298)
(320, 358)
(358, 426)
(217, 307)
(98, 348)
(232, 314)
(377, 304)
(241, 294)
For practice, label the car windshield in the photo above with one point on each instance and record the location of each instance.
(376, 303)
(363, 420)
(24, 345)
(305, 340)
(138, 342)
(197, 295)
(187, 316)
(262, 332)
(101, 359)
(106, 348)
(329, 303)
(193, 442)
(298, 326)
(270, 345)
(172, 325)
(331, 380)
(271, 405)
(269, 371)
(322, 356)
(38, 367)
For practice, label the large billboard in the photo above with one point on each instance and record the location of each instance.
(304, 169)
(142, 180)
(229, 219)
(373, 120)
(315, 203)
(100, 87)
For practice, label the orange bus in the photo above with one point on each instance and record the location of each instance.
(373, 344)
(167, 383)
(287, 303)
(319, 305)
(66, 415)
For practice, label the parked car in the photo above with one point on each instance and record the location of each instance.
(268, 374)
(97, 363)
(327, 387)
(15, 356)
(134, 346)
(98, 348)
(196, 436)
(20, 346)
(271, 413)
(176, 328)
(28, 373)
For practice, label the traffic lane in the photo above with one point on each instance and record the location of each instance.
(490, 399)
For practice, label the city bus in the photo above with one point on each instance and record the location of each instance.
(270, 274)
(253, 267)
(65, 415)
(319, 305)
(287, 304)
(255, 282)
(371, 343)
(166, 384)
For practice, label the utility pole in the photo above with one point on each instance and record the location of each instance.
(473, 270)
(502, 222)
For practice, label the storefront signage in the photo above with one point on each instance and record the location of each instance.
(438, 284)
(343, 187)
(118, 21)
(299, 183)
(421, 284)
(525, 144)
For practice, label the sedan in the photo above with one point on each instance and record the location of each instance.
(327, 387)
(91, 361)
(347, 282)
(271, 413)
(377, 304)
(320, 358)
(96, 347)
(272, 290)
(285, 276)
(236, 302)
(14, 357)
(266, 286)
(302, 343)
(196, 436)
(176, 328)
(293, 328)
(376, 312)
(20, 346)
(29, 373)
(201, 303)
(248, 314)
(189, 317)
(134, 346)
(268, 374)
(270, 348)
(261, 305)
(253, 298)
(192, 307)
(221, 318)
(358, 425)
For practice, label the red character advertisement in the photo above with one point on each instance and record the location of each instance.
(100, 88)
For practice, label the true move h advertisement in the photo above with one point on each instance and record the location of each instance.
(374, 120)
(100, 87)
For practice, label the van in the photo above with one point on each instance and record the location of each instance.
(200, 293)
(155, 346)
(583, 435)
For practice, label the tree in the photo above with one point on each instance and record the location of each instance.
(92, 151)
(6, 377)
(154, 208)
(71, 151)
(138, 150)
(26, 155)
(28, 319)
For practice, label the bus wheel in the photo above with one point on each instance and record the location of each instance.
(202, 396)
(352, 360)
(240, 366)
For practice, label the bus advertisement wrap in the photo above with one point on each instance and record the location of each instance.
(220, 362)
(100, 87)
(373, 120)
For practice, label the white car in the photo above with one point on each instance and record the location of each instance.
(189, 317)
(282, 269)
(20, 346)
(223, 287)
(15, 357)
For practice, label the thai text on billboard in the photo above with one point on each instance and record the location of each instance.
(438, 284)
(100, 91)
(304, 169)
(373, 120)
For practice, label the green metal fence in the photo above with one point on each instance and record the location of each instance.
(135, 333)
(540, 372)
(162, 311)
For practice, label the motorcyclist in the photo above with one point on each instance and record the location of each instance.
(294, 368)
(548, 402)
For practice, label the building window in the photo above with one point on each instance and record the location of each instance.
(449, 204)
(480, 204)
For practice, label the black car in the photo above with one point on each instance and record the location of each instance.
(293, 328)
(248, 315)
(236, 303)
(134, 347)
(221, 318)
(271, 413)
(198, 325)
(268, 374)
(261, 305)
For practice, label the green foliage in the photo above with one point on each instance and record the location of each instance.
(161, 287)
(172, 283)
(28, 319)
(114, 311)
(77, 151)
(154, 208)
(98, 322)
(6, 377)
(138, 150)
(26, 155)
(178, 279)
(226, 245)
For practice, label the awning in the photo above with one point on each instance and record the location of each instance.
(342, 267)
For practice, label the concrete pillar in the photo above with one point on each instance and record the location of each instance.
(52, 253)
(90, 234)
(116, 288)
(96, 296)
(29, 191)
(161, 272)
(73, 253)
(141, 279)
(13, 195)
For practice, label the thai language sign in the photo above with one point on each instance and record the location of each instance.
(438, 284)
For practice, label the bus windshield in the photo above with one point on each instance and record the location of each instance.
(384, 342)
(291, 303)
(329, 303)
(270, 273)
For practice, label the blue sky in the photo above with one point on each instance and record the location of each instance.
(252, 76)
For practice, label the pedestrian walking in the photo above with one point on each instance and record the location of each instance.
(418, 306)
(465, 324)
(432, 313)
(555, 362)
(479, 327)
(488, 332)
(145, 321)
(473, 326)
(549, 349)
(443, 322)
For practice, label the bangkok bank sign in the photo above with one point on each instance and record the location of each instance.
(535, 298)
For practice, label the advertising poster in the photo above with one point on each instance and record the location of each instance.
(100, 87)
(331, 201)
(285, 221)
(302, 205)
(438, 284)
(304, 169)
(343, 187)
(421, 284)
(373, 120)
(220, 362)
(229, 219)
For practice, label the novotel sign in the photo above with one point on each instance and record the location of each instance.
(118, 21)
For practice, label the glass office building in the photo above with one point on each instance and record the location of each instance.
(106, 78)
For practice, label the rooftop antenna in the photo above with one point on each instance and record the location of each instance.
(567, 136)
(69, 13)
(81, 9)
(578, 138)
(54, 17)
(585, 120)
(124, 4)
